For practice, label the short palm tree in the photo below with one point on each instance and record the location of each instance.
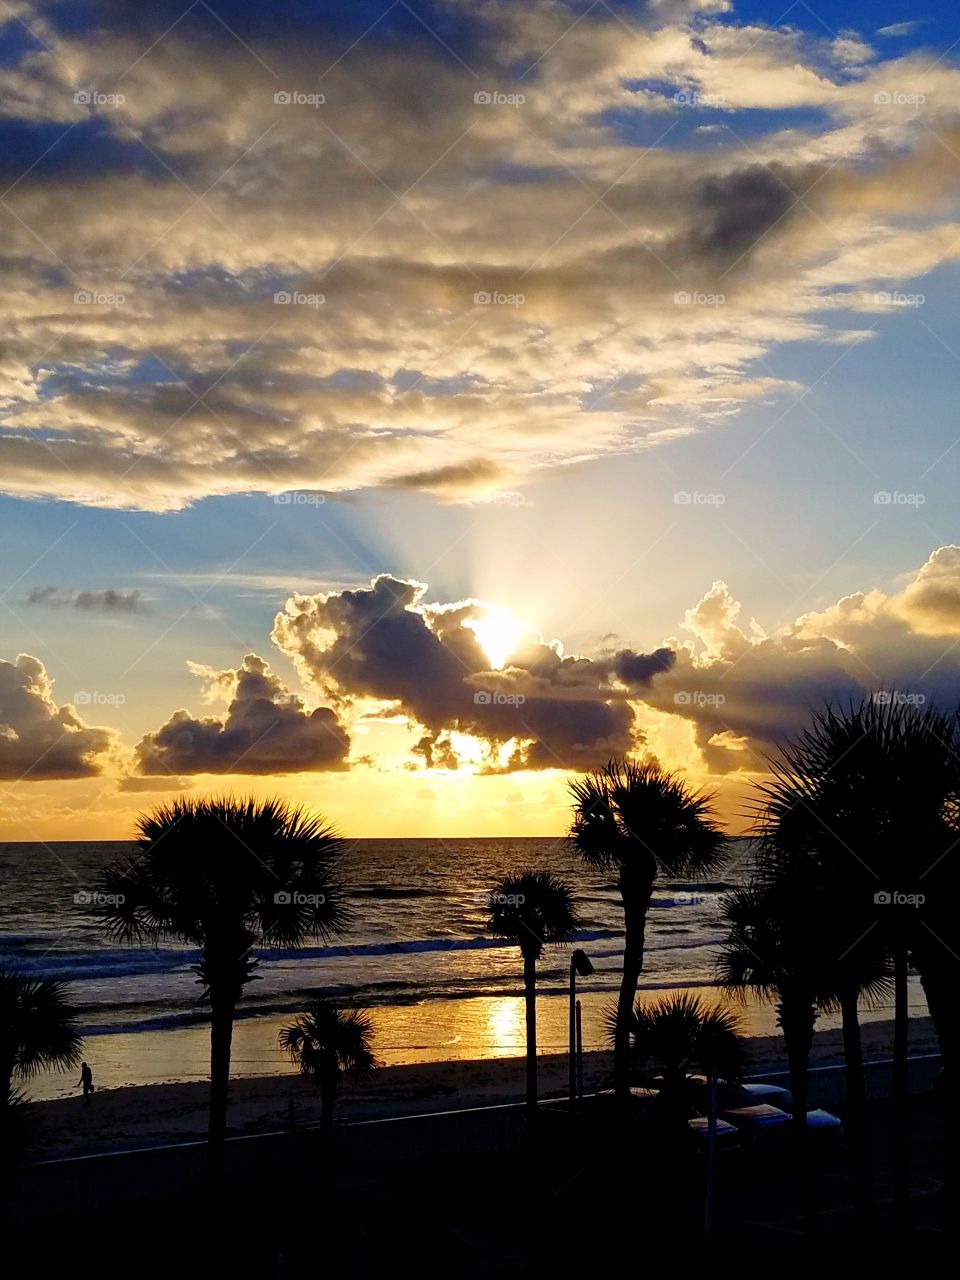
(325, 1042)
(679, 1035)
(532, 909)
(641, 821)
(772, 951)
(38, 1030)
(227, 876)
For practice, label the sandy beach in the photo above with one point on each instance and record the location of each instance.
(151, 1115)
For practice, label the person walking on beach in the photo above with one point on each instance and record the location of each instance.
(86, 1083)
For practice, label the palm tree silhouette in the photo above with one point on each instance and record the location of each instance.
(325, 1042)
(679, 1035)
(641, 821)
(533, 909)
(872, 793)
(227, 876)
(772, 950)
(38, 1031)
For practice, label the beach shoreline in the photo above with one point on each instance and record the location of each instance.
(149, 1115)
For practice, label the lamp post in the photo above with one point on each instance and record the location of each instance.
(579, 964)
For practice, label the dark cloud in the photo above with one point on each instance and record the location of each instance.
(544, 709)
(266, 730)
(40, 740)
(108, 601)
(638, 669)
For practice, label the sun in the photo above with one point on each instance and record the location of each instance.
(498, 632)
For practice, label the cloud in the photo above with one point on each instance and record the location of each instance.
(746, 692)
(266, 730)
(541, 710)
(40, 740)
(900, 28)
(469, 292)
(108, 601)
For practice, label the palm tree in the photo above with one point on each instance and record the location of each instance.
(641, 821)
(38, 1031)
(227, 876)
(678, 1035)
(532, 909)
(871, 794)
(325, 1042)
(772, 951)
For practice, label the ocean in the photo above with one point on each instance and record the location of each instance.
(416, 955)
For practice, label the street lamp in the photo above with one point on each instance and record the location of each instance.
(579, 964)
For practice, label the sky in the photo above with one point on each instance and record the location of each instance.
(406, 406)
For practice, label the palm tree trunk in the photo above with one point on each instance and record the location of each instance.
(328, 1101)
(530, 1002)
(797, 1017)
(901, 1138)
(634, 921)
(221, 1041)
(858, 1133)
